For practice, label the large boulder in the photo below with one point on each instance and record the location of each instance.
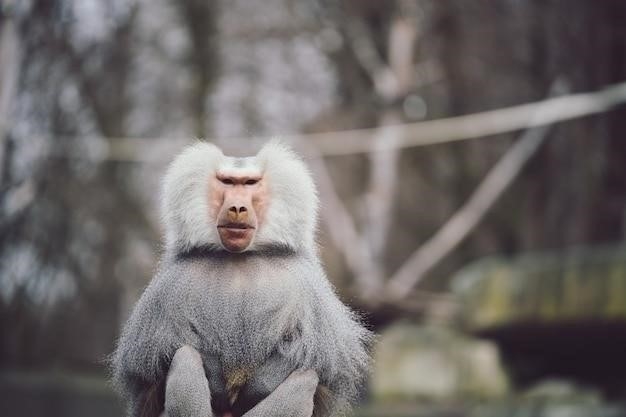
(433, 363)
(553, 314)
(581, 284)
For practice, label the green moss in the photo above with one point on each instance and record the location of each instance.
(616, 292)
(544, 287)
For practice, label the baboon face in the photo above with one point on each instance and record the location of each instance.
(239, 205)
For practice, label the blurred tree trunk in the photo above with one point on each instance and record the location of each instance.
(506, 53)
(74, 215)
(10, 55)
(199, 20)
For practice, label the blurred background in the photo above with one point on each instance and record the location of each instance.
(470, 157)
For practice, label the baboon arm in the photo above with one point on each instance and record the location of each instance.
(292, 398)
(187, 391)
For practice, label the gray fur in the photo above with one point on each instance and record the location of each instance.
(187, 391)
(270, 311)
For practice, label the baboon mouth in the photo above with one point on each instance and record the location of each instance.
(241, 226)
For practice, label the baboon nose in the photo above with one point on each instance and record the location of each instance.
(232, 214)
(237, 214)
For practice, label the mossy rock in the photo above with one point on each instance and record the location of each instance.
(435, 364)
(581, 284)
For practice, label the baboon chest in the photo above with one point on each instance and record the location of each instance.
(247, 320)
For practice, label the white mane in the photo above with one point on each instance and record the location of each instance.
(291, 216)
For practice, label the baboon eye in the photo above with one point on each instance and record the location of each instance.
(227, 181)
(251, 182)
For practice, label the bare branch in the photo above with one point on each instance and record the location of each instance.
(365, 262)
(431, 132)
(343, 232)
(384, 160)
(402, 37)
(383, 77)
(10, 57)
(470, 214)
(478, 124)
(382, 186)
